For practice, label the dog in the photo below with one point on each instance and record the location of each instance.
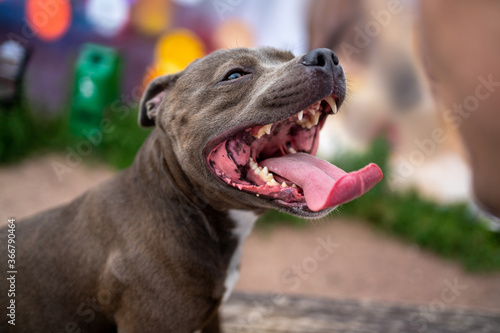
(156, 248)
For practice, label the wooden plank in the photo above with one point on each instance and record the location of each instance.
(246, 313)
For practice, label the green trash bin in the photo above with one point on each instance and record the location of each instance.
(95, 87)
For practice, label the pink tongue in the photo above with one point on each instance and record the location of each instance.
(324, 184)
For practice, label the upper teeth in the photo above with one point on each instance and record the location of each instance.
(306, 118)
(312, 115)
(263, 130)
(332, 103)
(300, 115)
(311, 120)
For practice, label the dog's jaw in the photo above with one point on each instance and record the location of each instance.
(234, 159)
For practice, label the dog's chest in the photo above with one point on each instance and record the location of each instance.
(244, 222)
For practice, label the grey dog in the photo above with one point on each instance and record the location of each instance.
(157, 247)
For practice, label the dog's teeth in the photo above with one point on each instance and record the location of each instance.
(266, 175)
(257, 170)
(304, 123)
(332, 103)
(312, 111)
(294, 186)
(253, 164)
(315, 119)
(317, 105)
(291, 150)
(309, 124)
(267, 128)
(272, 182)
(300, 115)
(263, 130)
(260, 133)
(284, 184)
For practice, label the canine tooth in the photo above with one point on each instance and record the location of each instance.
(300, 115)
(332, 103)
(263, 130)
(291, 150)
(284, 184)
(267, 128)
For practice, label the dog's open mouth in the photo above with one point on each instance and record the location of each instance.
(276, 162)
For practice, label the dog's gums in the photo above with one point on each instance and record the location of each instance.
(276, 162)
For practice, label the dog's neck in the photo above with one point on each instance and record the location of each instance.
(174, 195)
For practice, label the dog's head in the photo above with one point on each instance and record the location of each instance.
(244, 125)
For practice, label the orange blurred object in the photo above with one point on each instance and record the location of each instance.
(159, 70)
(49, 19)
(233, 33)
(151, 17)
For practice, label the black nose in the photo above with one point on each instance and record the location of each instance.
(320, 58)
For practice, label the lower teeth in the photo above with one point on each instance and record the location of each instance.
(265, 175)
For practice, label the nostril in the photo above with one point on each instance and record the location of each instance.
(335, 59)
(320, 60)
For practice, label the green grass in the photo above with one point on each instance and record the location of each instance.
(448, 230)
(23, 134)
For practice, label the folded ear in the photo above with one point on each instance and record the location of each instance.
(152, 97)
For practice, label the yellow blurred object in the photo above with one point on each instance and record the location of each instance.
(233, 33)
(151, 17)
(175, 50)
(159, 70)
(168, 68)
